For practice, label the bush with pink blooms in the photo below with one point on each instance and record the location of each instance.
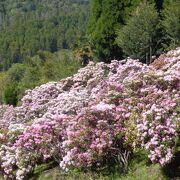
(100, 115)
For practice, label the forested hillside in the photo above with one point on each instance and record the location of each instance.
(32, 25)
(37, 39)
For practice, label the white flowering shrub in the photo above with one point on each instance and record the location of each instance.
(103, 112)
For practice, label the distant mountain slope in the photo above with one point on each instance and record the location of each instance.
(31, 25)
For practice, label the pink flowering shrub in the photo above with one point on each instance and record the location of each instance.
(99, 115)
(96, 135)
(38, 142)
(157, 131)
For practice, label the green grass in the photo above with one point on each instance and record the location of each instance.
(139, 169)
(141, 172)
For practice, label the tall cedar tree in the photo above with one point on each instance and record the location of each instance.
(140, 37)
(106, 15)
(171, 24)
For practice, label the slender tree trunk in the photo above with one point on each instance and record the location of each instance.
(146, 58)
(150, 55)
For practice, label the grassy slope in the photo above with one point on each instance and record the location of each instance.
(140, 172)
(139, 169)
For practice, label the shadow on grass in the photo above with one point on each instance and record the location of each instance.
(172, 170)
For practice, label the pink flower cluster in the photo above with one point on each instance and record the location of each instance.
(97, 131)
(157, 131)
(103, 112)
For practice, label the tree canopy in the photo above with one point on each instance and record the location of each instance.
(105, 17)
(139, 38)
(171, 24)
(32, 25)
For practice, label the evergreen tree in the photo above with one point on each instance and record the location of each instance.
(171, 24)
(105, 16)
(140, 37)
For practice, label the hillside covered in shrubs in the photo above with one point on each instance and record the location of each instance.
(98, 117)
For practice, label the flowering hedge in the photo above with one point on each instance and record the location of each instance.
(103, 112)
